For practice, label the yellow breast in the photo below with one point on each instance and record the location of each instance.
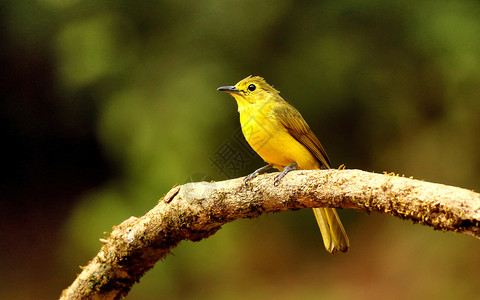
(266, 135)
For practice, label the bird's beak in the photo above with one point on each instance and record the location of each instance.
(229, 89)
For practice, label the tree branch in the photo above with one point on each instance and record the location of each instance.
(195, 211)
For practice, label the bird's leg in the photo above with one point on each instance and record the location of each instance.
(284, 172)
(257, 172)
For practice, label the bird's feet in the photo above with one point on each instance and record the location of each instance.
(287, 169)
(257, 172)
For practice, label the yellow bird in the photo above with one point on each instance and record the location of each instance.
(280, 135)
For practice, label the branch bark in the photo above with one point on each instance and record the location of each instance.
(195, 211)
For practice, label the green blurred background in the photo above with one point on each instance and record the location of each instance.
(105, 105)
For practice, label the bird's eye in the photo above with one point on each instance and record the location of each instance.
(251, 87)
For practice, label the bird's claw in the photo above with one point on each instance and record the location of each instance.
(277, 179)
(249, 177)
(282, 174)
(258, 171)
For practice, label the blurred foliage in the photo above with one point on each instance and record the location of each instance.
(386, 86)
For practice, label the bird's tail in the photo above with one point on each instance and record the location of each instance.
(334, 236)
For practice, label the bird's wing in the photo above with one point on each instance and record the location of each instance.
(294, 123)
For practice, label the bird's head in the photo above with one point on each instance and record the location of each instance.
(251, 90)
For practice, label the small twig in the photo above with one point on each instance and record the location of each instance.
(195, 211)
